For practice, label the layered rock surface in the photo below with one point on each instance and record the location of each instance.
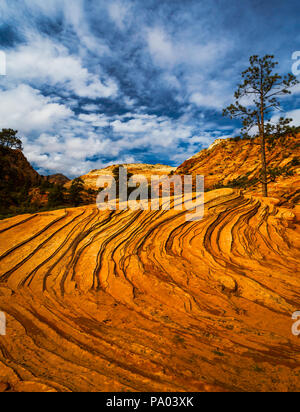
(145, 301)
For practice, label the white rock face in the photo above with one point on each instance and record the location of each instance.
(91, 178)
(215, 143)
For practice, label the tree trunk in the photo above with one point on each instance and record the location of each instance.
(263, 140)
(264, 166)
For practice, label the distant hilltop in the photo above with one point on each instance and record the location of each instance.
(90, 179)
(57, 179)
(227, 163)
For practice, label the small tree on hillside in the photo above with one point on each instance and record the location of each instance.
(262, 87)
(56, 196)
(75, 191)
(9, 139)
(116, 175)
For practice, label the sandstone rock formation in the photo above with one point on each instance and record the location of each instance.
(15, 169)
(227, 160)
(145, 301)
(17, 176)
(57, 179)
(90, 179)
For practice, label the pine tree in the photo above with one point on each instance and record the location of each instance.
(9, 139)
(56, 196)
(261, 88)
(75, 191)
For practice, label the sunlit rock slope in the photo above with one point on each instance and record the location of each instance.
(145, 301)
(237, 164)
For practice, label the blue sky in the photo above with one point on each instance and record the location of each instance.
(91, 82)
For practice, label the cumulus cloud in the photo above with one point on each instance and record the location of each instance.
(69, 153)
(292, 114)
(92, 83)
(168, 50)
(90, 107)
(44, 61)
(151, 131)
(79, 144)
(95, 120)
(189, 66)
(28, 110)
(206, 99)
(210, 94)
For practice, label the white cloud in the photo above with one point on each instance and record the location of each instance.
(43, 61)
(95, 119)
(156, 133)
(296, 89)
(71, 148)
(188, 66)
(67, 154)
(171, 80)
(206, 100)
(91, 107)
(211, 94)
(118, 12)
(161, 47)
(132, 126)
(129, 102)
(293, 114)
(167, 50)
(28, 110)
(56, 139)
(9, 11)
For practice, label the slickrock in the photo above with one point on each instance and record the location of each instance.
(146, 301)
(4, 387)
(227, 160)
